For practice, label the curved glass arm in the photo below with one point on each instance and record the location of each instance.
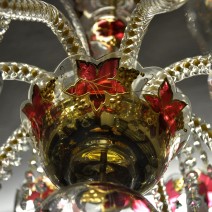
(200, 65)
(4, 25)
(76, 23)
(203, 130)
(137, 26)
(10, 152)
(160, 196)
(34, 10)
(21, 72)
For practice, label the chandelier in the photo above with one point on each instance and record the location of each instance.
(102, 129)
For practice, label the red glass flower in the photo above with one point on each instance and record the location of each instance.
(97, 80)
(111, 28)
(36, 110)
(167, 108)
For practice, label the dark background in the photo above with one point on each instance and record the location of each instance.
(168, 40)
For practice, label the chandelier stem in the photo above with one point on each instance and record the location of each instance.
(103, 165)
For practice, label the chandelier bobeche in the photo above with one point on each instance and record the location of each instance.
(105, 128)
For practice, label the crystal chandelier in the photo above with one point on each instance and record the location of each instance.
(102, 128)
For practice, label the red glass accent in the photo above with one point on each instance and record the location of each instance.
(123, 200)
(43, 195)
(36, 110)
(173, 194)
(97, 80)
(205, 188)
(114, 28)
(168, 108)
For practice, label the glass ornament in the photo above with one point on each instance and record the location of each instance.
(99, 127)
(95, 197)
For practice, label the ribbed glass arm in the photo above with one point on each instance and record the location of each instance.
(10, 152)
(203, 130)
(160, 196)
(21, 72)
(34, 10)
(189, 67)
(137, 27)
(76, 23)
(4, 25)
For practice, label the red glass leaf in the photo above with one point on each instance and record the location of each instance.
(108, 69)
(172, 110)
(28, 110)
(169, 109)
(97, 99)
(154, 102)
(165, 93)
(86, 70)
(80, 88)
(111, 87)
(36, 111)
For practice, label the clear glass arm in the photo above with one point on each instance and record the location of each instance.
(10, 152)
(76, 23)
(200, 65)
(4, 25)
(22, 72)
(137, 27)
(35, 10)
(203, 130)
(160, 197)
